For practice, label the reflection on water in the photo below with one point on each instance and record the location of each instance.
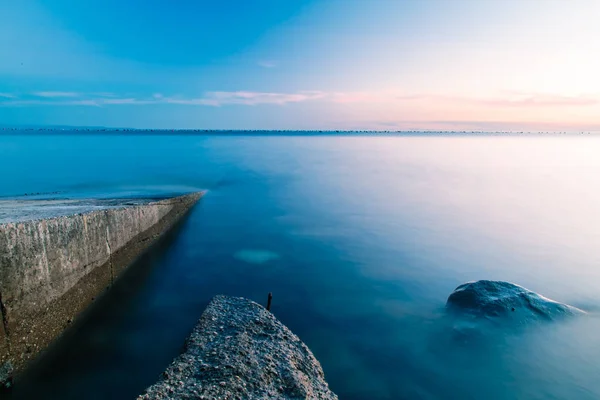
(361, 240)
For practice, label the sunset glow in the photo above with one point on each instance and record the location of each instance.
(436, 64)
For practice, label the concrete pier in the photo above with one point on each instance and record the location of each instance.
(52, 269)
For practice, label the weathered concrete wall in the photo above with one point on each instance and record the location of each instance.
(5, 365)
(239, 350)
(51, 269)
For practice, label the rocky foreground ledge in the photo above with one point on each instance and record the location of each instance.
(239, 350)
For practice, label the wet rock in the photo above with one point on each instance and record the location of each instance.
(6, 372)
(503, 299)
(245, 360)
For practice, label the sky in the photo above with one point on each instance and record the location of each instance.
(302, 64)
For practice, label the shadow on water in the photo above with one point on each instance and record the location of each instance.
(86, 354)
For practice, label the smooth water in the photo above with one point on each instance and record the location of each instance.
(360, 239)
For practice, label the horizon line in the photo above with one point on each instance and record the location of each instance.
(93, 129)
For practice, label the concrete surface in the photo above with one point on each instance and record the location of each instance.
(239, 350)
(52, 269)
(27, 209)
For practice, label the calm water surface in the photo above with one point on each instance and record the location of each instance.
(360, 239)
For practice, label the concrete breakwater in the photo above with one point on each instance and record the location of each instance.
(52, 269)
(239, 350)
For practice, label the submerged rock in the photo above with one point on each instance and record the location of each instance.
(503, 299)
(239, 350)
(256, 256)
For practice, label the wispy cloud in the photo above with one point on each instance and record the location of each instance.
(256, 98)
(512, 126)
(368, 97)
(215, 99)
(56, 94)
(189, 102)
(120, 101)
(474, 126)
(84, 102)
(500, 101)
(540, 100)
(267, 63)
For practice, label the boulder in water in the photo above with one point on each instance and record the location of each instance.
(503, 299)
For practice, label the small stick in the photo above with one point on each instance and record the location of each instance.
(269, 301)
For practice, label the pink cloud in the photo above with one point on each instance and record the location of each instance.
(394, 110)
(481, 125)
(372, 97)
(539, 100)
(358, 97)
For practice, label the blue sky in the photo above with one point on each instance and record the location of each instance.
(302, 64)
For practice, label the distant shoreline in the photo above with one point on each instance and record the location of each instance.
(235, 132)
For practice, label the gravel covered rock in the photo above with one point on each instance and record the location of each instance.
(239, 350)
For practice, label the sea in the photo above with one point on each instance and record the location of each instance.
(360, 238)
